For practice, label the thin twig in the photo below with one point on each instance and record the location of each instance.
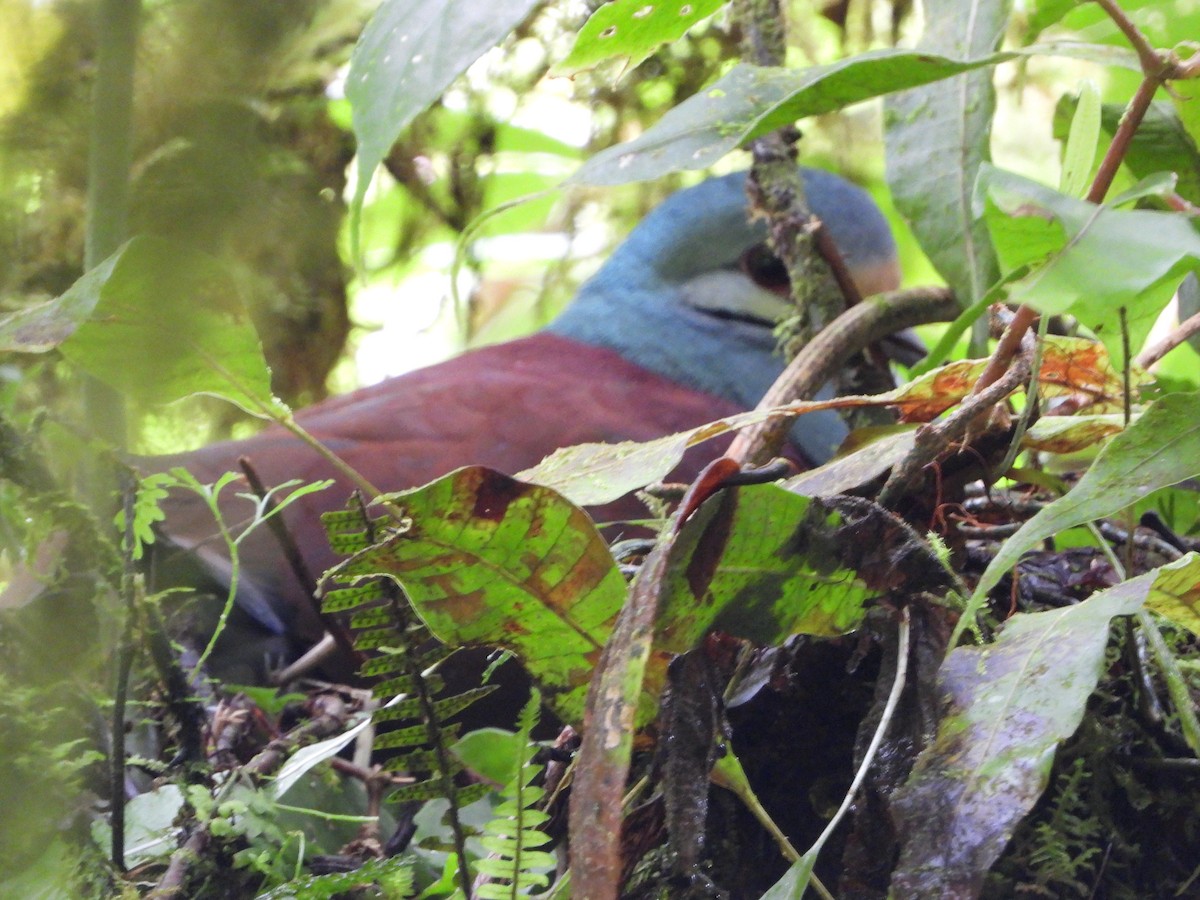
(1156, 71)
(291, 552)
(1180, 333)
(1131, 119)
(1006, 349)
(885, 720)
(330, 716)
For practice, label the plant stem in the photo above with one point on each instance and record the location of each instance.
(110, 153)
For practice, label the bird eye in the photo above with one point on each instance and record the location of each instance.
(765, 268)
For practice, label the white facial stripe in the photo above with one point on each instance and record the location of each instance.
(732, 293)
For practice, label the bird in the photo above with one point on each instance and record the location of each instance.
(674, 330)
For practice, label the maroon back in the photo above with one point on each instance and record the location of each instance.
(506, 406)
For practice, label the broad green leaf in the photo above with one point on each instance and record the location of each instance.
(1176, 596)
(633, 29)
(1079, 153)
(166, 324)
(750, 100)
(950, 121)
(1161, 448)
(1185, 94)
(490, 752)
(1090, 261)
(1189, 304)
(488, 560)
(1164, 23)
(756, 562)
(407, 56)
(1007, 706)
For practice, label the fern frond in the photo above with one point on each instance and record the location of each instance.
(516, 867)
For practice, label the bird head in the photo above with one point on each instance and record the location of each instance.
(694, 294)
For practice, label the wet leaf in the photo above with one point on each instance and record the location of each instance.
(856, 468)
(757, 562)
(407, 56)
(1006, 707)
(1070, 434)
(1072, 365)
(750, 101)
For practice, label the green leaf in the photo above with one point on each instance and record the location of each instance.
(750, 100)
(633, 29)
(1044, 13)
(1080, 151)
(393, 876)
(756, 562)
(950, 121)
(1161, 448)
(490, 752)
(1007, 707)
(1090, 261)
(1176, 596)
(1160, 144)
(165, 324)
(850, 470)
(489, 560)
(407, 56)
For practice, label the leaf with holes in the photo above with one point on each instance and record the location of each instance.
(633, 29)
(757, 562)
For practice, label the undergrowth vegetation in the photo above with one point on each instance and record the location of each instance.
(959, 659)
